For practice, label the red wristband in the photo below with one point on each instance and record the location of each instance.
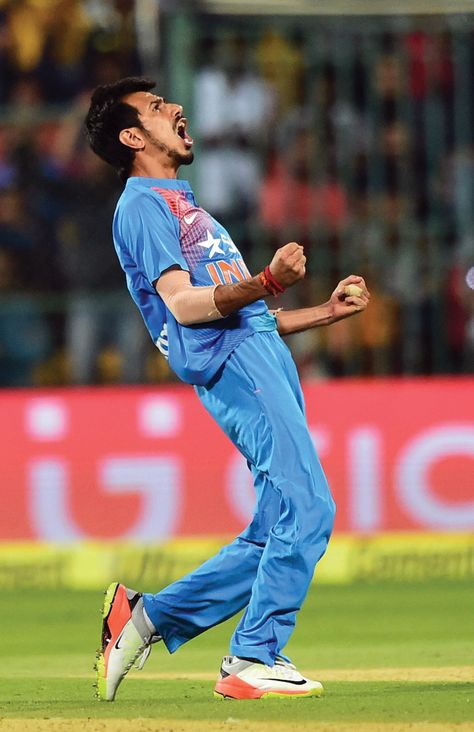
(272, 281)
(271, 288)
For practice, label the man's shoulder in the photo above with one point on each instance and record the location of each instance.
(137, 201)
(133, 193)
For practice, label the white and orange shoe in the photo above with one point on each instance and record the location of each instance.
(242, 679)
(126, 639)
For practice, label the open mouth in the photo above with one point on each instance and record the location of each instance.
(182, 133)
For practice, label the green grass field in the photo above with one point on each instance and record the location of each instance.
(391, 656)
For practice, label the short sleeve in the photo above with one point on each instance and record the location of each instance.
(150, 233)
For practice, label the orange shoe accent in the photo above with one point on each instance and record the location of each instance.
(233, 687)
(119, 615)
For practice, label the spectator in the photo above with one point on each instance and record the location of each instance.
(99, 315)
(460, 307)
(24, 335)
(294, 197)
(231, 126)
(281, 64)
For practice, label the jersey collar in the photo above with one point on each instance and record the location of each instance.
(172, 184)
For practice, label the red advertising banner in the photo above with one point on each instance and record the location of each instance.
(147, 464)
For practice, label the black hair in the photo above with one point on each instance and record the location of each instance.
(108, 115)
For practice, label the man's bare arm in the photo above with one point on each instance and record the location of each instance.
(190, 304)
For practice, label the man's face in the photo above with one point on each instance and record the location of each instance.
(164, 127)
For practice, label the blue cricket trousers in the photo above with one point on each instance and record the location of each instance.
(256, 398)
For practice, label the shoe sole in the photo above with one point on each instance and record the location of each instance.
(233, 687)
(101, 680)
(312, 694)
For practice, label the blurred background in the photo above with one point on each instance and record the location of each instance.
(351, 133)
(349, 129)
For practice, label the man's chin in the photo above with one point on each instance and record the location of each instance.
(185, 159)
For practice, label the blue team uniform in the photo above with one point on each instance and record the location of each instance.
(157, 225)
(245, 377)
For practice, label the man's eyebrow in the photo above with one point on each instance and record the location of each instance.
(155, 100)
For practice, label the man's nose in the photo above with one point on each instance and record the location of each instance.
(177, 109)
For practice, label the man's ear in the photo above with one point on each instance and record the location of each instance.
(132, 137)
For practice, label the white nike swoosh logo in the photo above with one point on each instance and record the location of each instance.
(190, 218)
(117, 646)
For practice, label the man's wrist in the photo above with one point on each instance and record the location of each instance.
(270, 283)
(331, 314)
(297, 321)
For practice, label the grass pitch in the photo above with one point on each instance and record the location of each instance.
(391, 657)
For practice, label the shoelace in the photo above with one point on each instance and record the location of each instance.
(280, 661)
(142, 658)
(282, 671)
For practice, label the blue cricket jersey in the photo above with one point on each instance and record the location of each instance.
(158, 224)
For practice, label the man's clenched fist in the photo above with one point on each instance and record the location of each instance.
(288, 264)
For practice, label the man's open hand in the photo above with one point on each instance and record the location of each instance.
(288, 264)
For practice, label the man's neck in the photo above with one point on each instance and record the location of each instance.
(153, 169)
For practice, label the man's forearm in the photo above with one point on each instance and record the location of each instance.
(192, 304)
(230, 298)
(285, 269)
(295, 321)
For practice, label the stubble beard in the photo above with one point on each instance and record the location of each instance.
(176, 157)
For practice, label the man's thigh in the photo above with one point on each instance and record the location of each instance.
(257, 401)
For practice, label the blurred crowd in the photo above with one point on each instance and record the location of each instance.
(358, 145)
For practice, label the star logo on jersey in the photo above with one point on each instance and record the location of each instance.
(230, 244)
(211, 244)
